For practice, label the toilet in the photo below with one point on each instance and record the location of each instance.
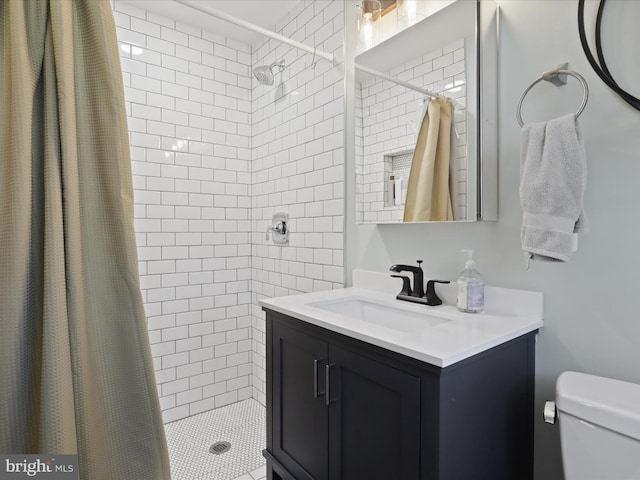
(599, 427)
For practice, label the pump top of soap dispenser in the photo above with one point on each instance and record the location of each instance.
(470, 263)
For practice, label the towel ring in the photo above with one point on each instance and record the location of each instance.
(553, 76)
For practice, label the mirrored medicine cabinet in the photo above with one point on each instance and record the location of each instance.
(448, 48)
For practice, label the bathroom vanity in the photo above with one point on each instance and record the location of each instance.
(352, 395)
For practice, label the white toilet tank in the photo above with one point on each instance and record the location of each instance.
(599, 427)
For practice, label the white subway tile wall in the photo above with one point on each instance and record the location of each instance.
(297, 166)
(387, 120)
(214, 155)
(188, 100)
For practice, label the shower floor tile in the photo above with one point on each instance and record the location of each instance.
(241, 424)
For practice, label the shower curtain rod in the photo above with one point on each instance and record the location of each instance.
(281, 38)
(256, 28)
(384, 76)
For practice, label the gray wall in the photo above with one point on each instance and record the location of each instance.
(591, 316)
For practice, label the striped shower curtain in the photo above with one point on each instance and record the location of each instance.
(76, 375)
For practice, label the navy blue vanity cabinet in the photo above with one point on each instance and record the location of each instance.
(301, 436)
(373, 432)
(342, 409)
(379, 404)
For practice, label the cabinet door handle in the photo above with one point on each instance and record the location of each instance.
(327, 379)
(316, 392)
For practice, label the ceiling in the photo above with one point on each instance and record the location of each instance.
(265, 13)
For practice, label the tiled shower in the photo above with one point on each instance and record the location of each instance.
(214, 155)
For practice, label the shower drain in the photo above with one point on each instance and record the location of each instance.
(219, 448)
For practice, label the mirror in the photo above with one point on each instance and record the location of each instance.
(452, 54)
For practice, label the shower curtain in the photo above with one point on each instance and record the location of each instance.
(75, 364)
(429, 196)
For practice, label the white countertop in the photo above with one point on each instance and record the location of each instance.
(459, 336)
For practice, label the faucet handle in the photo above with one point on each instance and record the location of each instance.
(432, 298)
(419, 263)
(406, 285)
(279, 227)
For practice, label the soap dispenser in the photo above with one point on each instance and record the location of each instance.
(470, 287)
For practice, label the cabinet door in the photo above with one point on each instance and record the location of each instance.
(374, 419)
(300, 416)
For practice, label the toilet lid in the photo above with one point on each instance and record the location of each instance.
(609, 403)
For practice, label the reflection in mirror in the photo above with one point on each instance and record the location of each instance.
(417, 151)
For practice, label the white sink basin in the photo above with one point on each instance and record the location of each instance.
(379, 314)
(439, 335)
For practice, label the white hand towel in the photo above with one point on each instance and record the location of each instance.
(553, 178)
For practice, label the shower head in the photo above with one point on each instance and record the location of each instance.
(265, 74)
